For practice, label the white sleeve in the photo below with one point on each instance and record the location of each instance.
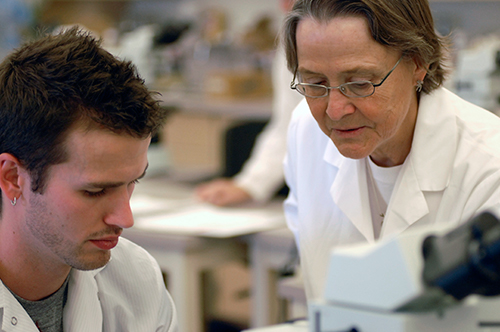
(290, 164)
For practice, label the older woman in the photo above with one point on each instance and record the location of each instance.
(406, 152)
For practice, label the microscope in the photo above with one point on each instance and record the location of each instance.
(436, 279)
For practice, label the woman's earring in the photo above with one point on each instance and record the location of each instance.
(419, 85)
(14, 201)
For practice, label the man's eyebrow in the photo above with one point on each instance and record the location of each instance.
(110, 184)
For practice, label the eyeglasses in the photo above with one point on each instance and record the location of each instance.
(357, 89)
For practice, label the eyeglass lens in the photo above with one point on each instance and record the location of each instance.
(351, 89)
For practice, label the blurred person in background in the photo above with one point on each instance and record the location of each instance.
(262, 174)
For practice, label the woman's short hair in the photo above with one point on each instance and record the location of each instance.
(403, 25)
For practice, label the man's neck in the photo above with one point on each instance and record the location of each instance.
(31, 283)
(32, 286)
(47, 313)
(28, 274)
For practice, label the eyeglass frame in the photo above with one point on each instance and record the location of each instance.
(293, 85)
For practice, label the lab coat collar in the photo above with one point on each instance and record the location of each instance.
(435, 141)
(427, 168)
(83, 309)
(349, 191)
(429, 165)
(407, 204)
(12, 314)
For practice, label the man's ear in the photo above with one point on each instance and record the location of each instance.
(11, 178)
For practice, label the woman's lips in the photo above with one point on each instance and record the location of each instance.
(347, 133)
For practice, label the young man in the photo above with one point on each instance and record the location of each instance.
(75, 124)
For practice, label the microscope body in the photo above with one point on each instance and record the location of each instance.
(429, 279)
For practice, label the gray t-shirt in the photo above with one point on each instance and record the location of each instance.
(47, 313)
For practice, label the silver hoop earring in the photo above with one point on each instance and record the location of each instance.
(14, 201)
(419, 85)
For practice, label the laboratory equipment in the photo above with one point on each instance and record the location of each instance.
(428, 279)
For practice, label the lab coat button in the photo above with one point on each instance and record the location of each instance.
(13, 321)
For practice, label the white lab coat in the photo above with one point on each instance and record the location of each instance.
(452, 171)
(128, 294)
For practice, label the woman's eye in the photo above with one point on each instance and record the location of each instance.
(314, 80)
(361, 85)
(360, 79)
(319, 82)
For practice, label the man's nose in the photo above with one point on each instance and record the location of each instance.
(120, 212)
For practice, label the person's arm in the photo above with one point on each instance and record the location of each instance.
(262, 174)
(222, 192)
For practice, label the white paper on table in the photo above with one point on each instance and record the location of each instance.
(212, 221)
(144, 204)
(298, 326)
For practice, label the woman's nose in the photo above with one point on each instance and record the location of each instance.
(339, 105)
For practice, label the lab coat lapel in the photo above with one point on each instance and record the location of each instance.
(436, 140)
(427, 169)
(83, 309)
(350, 192)
(428, 166)
(407, 205)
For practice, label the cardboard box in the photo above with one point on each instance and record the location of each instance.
(238, 84)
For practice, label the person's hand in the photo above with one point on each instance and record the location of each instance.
(222, 192)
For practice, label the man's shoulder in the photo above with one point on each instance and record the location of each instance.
(132, 291)
(130, 254)
(126, 247)
(131, 271)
